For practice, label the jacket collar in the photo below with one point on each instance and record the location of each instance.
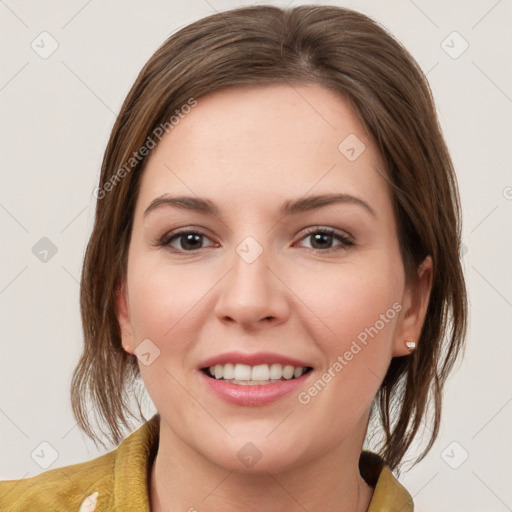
(136, 453)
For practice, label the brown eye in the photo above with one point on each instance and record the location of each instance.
(322, 239)
(184, 241)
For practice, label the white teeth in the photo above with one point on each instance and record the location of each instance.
(242, 372)
(253, 382)
(229, 371)
(298, 372)
(261, 373)
(288, 372)
(276, 371)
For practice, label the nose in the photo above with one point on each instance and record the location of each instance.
(252, 294)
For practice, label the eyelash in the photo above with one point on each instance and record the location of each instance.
(166, 240)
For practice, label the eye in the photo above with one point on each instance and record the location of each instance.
(184, 241)
(323, 238)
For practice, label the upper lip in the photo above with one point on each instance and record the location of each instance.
(253, 359)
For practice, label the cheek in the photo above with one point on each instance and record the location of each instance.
(165, 302)
(163, 299)
(359, 311)
(351, 299)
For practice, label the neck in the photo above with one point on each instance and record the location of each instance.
(183, 480)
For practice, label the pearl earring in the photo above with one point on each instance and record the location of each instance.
(411, 345)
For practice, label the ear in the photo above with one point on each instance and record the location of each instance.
(124, 316)
(414, 308)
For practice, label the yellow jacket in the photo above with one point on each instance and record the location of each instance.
(118, 482)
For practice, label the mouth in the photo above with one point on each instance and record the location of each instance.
(256, 379)
(257, 375)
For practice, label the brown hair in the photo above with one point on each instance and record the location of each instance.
(336, 48)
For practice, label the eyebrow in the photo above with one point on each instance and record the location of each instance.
(289, 207)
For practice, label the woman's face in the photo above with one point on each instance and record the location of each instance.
(256, 284)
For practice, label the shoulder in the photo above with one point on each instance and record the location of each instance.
(66, 487)
(116, 480)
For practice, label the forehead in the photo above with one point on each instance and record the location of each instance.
(271, 142)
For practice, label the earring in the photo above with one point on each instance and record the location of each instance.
(411, 345)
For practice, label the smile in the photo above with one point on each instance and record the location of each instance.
(261, 374)
(248, 391)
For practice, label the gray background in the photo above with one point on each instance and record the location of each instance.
(56, 116)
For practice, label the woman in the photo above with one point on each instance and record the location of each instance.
(275, 254)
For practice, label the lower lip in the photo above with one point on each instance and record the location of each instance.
(264, 394)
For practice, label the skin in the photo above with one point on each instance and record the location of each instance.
(248, 150)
